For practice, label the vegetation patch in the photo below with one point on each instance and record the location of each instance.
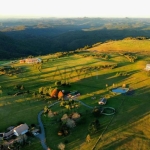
(71, 124)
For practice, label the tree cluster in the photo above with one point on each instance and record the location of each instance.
(10, 70)
(122, 74)
(70, 104)
(130, 57)
(94, 126)
(101, 56)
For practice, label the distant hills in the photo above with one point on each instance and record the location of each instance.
(20, 38)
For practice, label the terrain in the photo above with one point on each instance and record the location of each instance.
(94, 72)
(24, 37)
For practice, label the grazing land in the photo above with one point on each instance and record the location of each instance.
(93, 73)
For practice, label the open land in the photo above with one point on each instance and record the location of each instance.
(88, 72)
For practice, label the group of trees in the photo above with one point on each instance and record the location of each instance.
(94, 126)
(97, 67)
(131, 57)
(68, 122)
(122, 73)
(10, 70)
(70, 104)
(97, 55)
(52, 92)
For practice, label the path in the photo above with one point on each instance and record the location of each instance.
(41, 136)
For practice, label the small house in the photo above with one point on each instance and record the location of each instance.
(102, 101)
(21, 129)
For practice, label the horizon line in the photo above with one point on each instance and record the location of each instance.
(11, 18)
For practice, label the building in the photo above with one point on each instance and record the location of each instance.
(22, 61)
(147, 67)
(31, 60)
(102, 101)
(8, 135)
(21, 129)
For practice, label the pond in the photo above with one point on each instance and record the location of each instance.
(120, 90)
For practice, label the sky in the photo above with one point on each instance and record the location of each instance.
(74, 8)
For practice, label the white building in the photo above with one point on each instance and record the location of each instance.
(21, 129)
(147, 67)
(31, 60)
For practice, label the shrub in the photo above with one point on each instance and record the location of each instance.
(58, 83)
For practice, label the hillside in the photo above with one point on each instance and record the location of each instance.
(125, 45)
(25, 90)
(46, 36)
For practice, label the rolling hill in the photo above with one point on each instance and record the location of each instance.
(125, 45)
(24, 37)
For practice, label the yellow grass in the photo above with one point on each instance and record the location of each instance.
(124, 46)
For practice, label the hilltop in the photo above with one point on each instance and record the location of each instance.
(125, 45)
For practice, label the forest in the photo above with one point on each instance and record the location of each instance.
(24, 37)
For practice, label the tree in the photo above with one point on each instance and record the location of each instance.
(64, 118)
(54, 93)
(70, 123)
(62, 103)
(75, 116)
(94, 126)
(61, 146)
(1, 92)
(58, 83)
(107, 86)
(22, 87)
(50, 90)
(88, 138)
(45, 90)
(41, 90)
(96, 112)
(46, 109)
(67, 107)
(34, 94)
(60, 95)
(50, 114)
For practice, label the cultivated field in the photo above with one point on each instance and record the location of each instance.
(93, 75)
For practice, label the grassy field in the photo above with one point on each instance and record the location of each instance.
(139, 46)
(127, 129)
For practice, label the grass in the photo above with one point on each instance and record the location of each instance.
(129, 127)
(140, 46)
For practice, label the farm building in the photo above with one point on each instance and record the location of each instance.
(21, 129)
(147, 67)
(31, 60)
(18, 130)
(22, 61)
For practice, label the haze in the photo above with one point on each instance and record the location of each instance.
(74, 8)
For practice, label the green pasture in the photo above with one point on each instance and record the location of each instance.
(127, 129)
